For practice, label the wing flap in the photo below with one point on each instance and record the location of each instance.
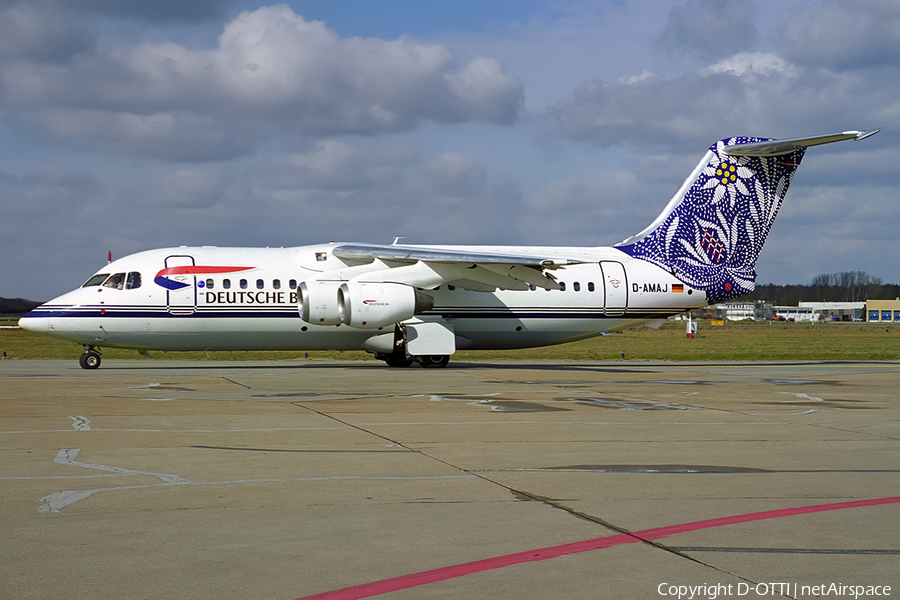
(429, 267)
(412, 254)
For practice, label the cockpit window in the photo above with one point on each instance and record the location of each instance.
(116, 281)
(96, 279)
(134, 281)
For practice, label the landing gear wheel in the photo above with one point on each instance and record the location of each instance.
(397, 359)
(433, 361)
(89, 360)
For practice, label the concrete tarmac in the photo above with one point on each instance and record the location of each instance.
(281, 480)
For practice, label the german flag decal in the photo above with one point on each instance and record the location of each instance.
(677, 288)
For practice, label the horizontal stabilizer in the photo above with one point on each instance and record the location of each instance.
(779, 147)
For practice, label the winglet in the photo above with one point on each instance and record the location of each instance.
(863, 135)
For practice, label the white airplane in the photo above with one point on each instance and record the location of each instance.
(420, 304)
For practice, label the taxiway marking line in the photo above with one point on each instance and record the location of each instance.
(393, 584)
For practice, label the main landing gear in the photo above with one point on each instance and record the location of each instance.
(396, 359)
(401, 359)
(435, 361)
(90, 359)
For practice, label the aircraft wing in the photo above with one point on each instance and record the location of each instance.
(427, 267)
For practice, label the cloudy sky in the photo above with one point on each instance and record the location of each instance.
(130, 125)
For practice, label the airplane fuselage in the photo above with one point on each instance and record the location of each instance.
(247, 299)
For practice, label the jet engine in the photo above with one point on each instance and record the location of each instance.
(368, 305)
(318, 302)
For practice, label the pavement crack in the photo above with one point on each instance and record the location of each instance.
(524, 495)
(364, 430)
(619, 530)
(246, 387)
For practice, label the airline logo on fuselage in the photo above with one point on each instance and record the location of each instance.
(172, 278)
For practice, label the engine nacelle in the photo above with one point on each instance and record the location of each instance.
(318, 302)
(367, 305)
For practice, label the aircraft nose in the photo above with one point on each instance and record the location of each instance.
(34, 324)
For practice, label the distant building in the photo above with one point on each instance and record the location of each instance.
(742, 311)
(883, 311)
(873, 311)
(795, 313)
(837, 311)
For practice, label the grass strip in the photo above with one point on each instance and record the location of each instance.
(767, 341)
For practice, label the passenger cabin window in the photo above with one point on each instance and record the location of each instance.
(116, 282)
(292, 284)
(243, 284)
(276, 283)
(562, 286)
(96, 280)
(590, 286)
(226, 284)
(260, 284)
(576, 286)
(134, 281)
(210, 284)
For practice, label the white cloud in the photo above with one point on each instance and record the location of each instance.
(709, 28)
(336, 165)
(27, 32)
(843, 35)
(453, 175)
(273, 73)
(747, 94)
(754, 63)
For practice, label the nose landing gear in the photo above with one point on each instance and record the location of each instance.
(90, 359)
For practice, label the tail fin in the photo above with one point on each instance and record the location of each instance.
(711, 232)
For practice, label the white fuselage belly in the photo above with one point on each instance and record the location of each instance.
(253, 314)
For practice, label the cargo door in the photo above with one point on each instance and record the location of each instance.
(615, 287)
(180, 283)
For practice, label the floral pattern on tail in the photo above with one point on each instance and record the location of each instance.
(712, 238)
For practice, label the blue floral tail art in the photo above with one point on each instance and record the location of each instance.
(711, 232)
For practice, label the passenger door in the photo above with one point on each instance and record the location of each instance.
(182, 289)
(615, 286)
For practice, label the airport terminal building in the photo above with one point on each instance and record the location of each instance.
(837, 311)
(873, 311)
(883, 311)
(742, 311)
